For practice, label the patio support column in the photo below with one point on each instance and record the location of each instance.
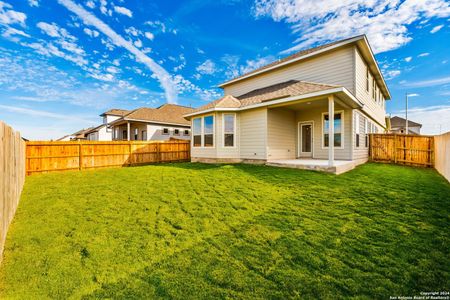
(128, 131)
(330, 130)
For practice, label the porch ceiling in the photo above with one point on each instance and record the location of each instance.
(311, 103)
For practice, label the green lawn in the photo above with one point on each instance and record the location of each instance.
(208, 231)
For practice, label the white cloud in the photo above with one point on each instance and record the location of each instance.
(436, 28)
(159, 72)
(428, 82)
(123, 11)
(113, 70)
(149, 35)
(423, 54)
(234, 69)
(41, 113)
(390, 74)
(53, 30)
(9, 16)
(385, 22)
(90, 4)
(91, 33)
(208, 67)
(408, 59)
(33, 3)
(13, 32)
(138, 43)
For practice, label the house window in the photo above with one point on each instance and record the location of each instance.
(186, 132)
(367, 78)
(176, 132)
(374, 90)
(208, 131)
(228, 130)
(144, 135)
(116, 134)
(136, 133)
(366, 133)
(337, 129)
(197, 132)
(124, 135)
(165, 131)
(357, 126)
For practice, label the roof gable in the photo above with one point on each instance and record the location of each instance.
(360, 42)
(167, 113)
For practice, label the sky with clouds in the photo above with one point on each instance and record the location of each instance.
(63, 62)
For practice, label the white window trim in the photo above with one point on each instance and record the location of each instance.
(366, 133)
(202, 134)
(357, 125)
(234, 131)
(342, 130)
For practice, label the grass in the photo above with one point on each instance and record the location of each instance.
(190, 231)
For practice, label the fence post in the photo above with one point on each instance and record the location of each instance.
(395, 148)
(130, 156)
(80, 156)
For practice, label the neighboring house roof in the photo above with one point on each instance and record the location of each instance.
(95, 129)
(80, 134)
(166, 114)
(277, 91)
(360, 40)
(115, 112)
(400, 122)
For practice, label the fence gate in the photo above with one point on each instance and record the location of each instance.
(405, 149)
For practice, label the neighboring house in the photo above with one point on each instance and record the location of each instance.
(288, 109)
(162, 123)
(77, 136)
(398, 125)
(104, 131)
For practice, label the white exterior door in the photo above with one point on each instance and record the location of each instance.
(305, 139)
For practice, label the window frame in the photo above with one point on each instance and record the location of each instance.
(175, 132)
(168, 131)
(136, 134)
(366, 133)
(357, 130)
(342, 112)
(213, 131)
(202, 132)
(194, 135)
(367, 79)
(234, 130)
(186, 132)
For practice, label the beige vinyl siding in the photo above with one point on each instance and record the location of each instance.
(315, 115)
(253, 134)
(335, 67)
(372, 108)
(226, 152)
(281, 134)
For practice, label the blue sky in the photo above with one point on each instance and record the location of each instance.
(64, 62)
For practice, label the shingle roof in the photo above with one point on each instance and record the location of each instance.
(116, 112)
(277, 91)
(167, 113)
(400, 122)
(291, 57)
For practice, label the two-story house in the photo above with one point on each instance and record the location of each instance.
(284, 113)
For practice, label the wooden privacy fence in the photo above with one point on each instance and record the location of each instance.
(417, 150)
(12, 177)
(61, 156)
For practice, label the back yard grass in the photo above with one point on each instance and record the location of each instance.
(218, 231)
